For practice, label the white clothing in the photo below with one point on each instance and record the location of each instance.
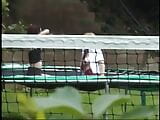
(93, 57)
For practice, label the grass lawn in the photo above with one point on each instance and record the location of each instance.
(10, 104)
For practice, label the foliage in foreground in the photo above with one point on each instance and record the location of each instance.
(67, 100)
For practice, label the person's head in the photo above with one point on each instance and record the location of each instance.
(33, 29)
(35, 59)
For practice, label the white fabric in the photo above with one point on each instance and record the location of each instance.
(93, 57)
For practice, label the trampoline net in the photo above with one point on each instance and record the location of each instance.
(129, 70)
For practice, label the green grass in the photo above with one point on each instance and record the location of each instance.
(10, 104)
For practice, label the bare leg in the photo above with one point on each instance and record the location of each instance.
(101, 68)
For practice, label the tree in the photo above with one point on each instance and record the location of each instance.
(60, 16)
(126, 17)
(5, 12)
(7, 26)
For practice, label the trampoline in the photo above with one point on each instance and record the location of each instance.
(70, 75)
(86, 83)
(141, 82)
(61, 76)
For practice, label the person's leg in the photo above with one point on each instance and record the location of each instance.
(101, 67)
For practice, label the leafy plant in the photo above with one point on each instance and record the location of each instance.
(16, 28)
(5, 13)
(67, 100)
(5, 8)
(10, 28)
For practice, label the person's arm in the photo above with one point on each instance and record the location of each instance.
(44, 32)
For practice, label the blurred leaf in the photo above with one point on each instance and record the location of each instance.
(40, 115)
(104, 102)
(60, 117)
(141, 112)
(67, 117)
(13, 116)
(66, 100)
(27, 106)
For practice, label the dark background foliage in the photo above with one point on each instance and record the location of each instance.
(133, 17)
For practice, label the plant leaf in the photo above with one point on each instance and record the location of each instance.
(67, 100)
(106, 101)
(62, 117)
(27, 105)
(140, 112)
(40, 115)
(13, 116)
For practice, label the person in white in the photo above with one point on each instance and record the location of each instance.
(92, 61)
